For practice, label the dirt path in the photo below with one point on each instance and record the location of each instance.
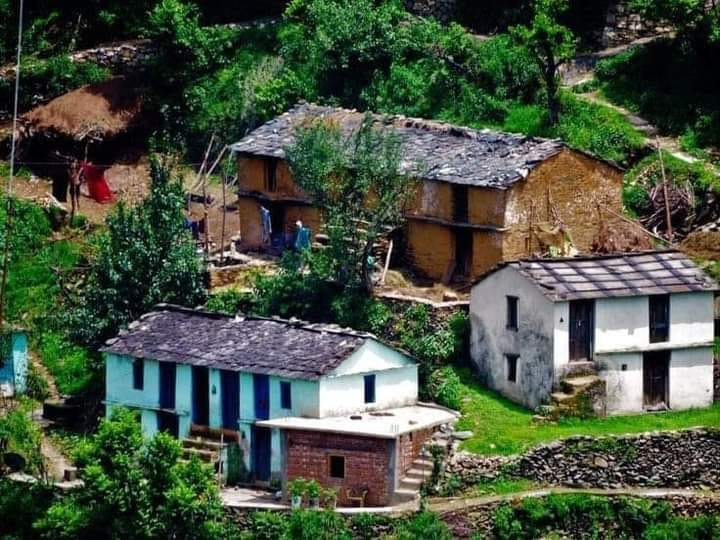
(444, 506)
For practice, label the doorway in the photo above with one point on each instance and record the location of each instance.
(230, 396)
(261, 449)
(463, 252)
(167, 385)
(656, 371)
(581, 330)
(200, 396)
(261, 390)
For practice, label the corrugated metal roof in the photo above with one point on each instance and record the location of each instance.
(628, 274)
(432, 150)
(292, 349)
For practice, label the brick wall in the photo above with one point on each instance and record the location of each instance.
(367, 463)
(409, 446)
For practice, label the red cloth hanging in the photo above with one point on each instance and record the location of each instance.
(97, 185)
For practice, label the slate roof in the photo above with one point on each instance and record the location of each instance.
(290, 349)
(603, 276)
(432, 150)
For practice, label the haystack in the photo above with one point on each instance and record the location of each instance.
(96, 112)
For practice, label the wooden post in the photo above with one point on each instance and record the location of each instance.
(665, 192)
(222, 228)
(387, 263)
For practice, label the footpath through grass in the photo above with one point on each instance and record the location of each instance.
(502, 427)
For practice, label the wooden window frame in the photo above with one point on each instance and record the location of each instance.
(512, 362)
(337, 460)
(138, 374)
(512, 306)
(285, 395)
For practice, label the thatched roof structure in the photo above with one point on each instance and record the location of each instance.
(94, 112)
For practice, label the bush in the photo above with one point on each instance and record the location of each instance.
(20, 505)
(268, 525)
(317, 525)
(445, 388)
(423, 526)
(37, 387)
(70, 364)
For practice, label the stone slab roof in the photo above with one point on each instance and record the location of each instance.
(603, 276)
(431, 150)
(292, 349)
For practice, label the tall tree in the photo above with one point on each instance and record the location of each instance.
(356, 181)
(146, 256)
(551, 45)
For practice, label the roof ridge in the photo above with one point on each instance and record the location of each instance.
(593, 256)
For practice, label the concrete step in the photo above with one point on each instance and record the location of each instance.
(202, 444)
(402, 495)
(560, 397)
(215, 434)
(575, 384)
(207, 456)
(411, 482)
(422, 463)
(418, 473)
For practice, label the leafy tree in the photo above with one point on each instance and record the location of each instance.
(136, 489)
(551, 44)
(146, 257)
(356, 181)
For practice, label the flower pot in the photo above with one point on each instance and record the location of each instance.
(296, 502)
(315, 502)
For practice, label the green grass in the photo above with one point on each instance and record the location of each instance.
(501, 486)
(502, 427)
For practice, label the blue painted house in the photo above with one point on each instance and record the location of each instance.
(13, 363)
(219, 382)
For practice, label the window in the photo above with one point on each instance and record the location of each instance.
(337, 467)
(369, 388)
(138, 373)
(271, 174)
(512, 365)
(512, 312)
(285, 395)
(659, 318)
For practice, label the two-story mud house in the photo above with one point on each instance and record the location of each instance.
(484, 197)
(270, 400)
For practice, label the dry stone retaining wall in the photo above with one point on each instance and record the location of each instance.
(682, 459)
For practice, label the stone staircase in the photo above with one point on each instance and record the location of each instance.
(409, 485)
(207, 444)
(580, 393)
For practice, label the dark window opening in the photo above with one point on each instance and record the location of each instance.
(460, 204)
(138, 373)
(369, 388)
(512, 365)
(659, 318)
(285, 395)
(463, 253)
(337, 467)
(271, 174)
(512, 312)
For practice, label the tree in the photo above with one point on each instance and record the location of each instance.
(551, 44)
(146, 257)
(699, 18)
(136, 489)
(356, 182)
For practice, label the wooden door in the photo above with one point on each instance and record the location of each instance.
(201, 396)
(656, 367)
(581, 330)
(261, 388)
(230, 396)
(261, 450)
(167, 385)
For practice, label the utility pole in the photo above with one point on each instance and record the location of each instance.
(9, 187)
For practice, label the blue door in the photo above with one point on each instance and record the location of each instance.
(261, 387)
(261, 448)
(167, 385)
(230, 396)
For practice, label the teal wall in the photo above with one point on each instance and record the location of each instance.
(13, 373)
(120, 391)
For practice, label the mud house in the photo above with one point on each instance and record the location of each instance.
(483, 197)
(269, 400)
(13, 363)
(638, 327)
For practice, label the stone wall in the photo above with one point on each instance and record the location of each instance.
(442, 10)
(622, 25)
(682, 459)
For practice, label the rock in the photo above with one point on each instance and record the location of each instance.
(462, 435)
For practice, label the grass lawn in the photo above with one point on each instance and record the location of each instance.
(500, 426)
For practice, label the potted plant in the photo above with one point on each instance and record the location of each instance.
(296, 488)
(313, 491)
(329, 498)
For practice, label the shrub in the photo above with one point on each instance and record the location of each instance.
(423, 526)
(445, 388)
(37, 387)
(267, 525)
(70, 364)
(317, 525)
(20, 505)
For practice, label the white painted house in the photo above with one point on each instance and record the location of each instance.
(642, 321)
(273, 392)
